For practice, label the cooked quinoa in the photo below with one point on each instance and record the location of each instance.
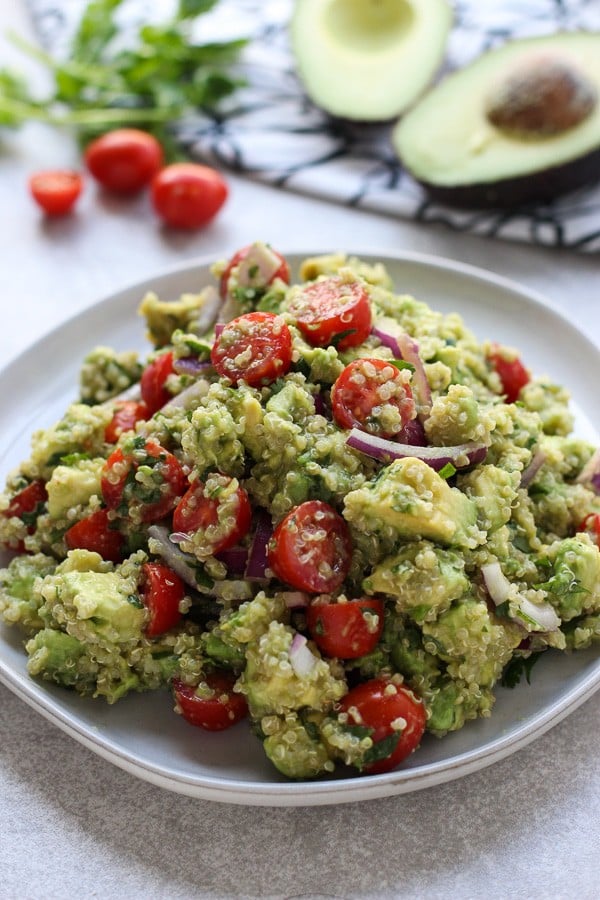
(444, 490)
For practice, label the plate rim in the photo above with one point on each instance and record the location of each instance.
(320, 792)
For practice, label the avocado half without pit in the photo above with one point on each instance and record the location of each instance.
(368, 60)
(520, 124)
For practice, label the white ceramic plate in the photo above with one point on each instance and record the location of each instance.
(141, 734)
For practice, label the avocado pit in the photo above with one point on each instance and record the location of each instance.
(542, 97)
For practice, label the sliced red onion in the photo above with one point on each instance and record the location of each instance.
(191, 365)
(131, 393)
(320, 406)
(388, 340)
(413, 433)
(258, 557)
(460, 456)
(295, 599)
(235, 558)
(189, 397)
(590, 474)
(409, 351)
(537, 461)
(496, 582)
(302, 659)
(209, 310)
(182, 563)
(403, 347)
(219, 328)
(542, 616)
(537, 616)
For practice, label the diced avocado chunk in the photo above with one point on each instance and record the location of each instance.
(455, 418)
(53, 655)
(73, 485)
(294, 748)
(451, 703)
(411, 500)
(273, 686)
(422, 578)
(97, 604)
(19, 603)
(106, 373)
(574, 585)
(475, 647)
(190, 312)
(412, 660)
(495, 493)
(81, 430)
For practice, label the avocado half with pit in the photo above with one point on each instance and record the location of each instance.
(368, 60)
(518, 125)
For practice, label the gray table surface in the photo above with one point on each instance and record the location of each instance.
(71, 823)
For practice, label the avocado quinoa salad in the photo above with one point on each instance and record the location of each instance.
(321, 506)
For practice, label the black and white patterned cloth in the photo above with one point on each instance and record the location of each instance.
(271, 132)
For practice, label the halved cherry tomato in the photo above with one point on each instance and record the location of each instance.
(283, 272)
(222, 519)
(98, 534)
(391, 711)
(147, 498)
(591, 526)
(212, 705)
(27, 506)
(255, 348)
(333, 311)
(153, 380)
(346, 630)
(126, 414)
(124, 160)
(188, 195)
(162, 592)
(371, 394)
(311, 549)
(513, 374)
(56, 191)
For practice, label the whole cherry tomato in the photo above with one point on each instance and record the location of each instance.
(188, 195)
(124, 160)
(56, 191)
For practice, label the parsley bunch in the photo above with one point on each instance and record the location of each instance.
(101, 85)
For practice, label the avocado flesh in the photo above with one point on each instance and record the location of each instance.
(368, 60)
(449, 145)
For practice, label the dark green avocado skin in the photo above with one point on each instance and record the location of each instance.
(523, 190)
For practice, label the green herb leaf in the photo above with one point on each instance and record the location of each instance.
(516, 668)
(382, 749)
(447, 471)
(188, 9)
(402, 364)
